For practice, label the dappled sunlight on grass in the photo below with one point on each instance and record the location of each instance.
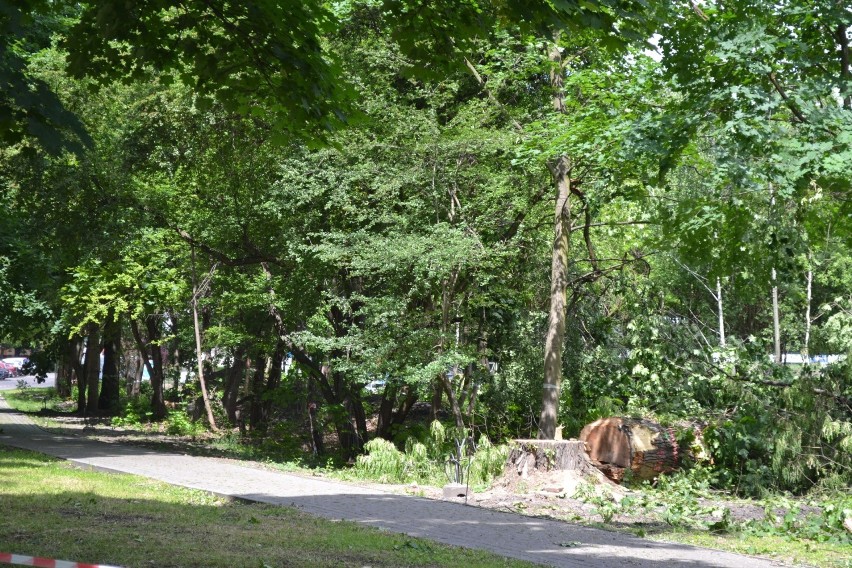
(53, 509)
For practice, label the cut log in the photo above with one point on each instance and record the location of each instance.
(642, 446)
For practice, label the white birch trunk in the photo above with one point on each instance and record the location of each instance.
(806, 346)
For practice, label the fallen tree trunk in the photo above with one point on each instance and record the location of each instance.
(644, 447)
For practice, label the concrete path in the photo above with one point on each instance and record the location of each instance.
(538, 540)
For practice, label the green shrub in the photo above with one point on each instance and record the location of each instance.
(179, 424)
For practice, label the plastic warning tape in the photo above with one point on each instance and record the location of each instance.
(20, 560)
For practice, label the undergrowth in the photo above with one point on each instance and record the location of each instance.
(432, 460)
(685, 500)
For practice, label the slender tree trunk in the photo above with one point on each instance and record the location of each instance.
(152, 357)
(135, 386)
(231, 393)
(458, 417)
(437, 397)
(845, 72)
(721, 311)
(806, 345)
(210, 419)
(259, 377)
(273, 381)
(93, 368)
(555, 338)
(388, 417)
(69, 351)
(776, 319)
(560, 169)
(110, 383)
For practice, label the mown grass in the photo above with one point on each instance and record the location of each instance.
(780, 548)
(50, 508)
(32, 400)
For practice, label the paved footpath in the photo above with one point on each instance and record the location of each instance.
(536, 540)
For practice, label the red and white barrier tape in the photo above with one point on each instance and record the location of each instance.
(20, 560)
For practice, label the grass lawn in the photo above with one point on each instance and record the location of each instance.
(52, 509)
(785, 549)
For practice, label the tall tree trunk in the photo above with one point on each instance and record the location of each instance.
(443, 382)
(69, 359)
(840, 34)
(135, 386)
(256, 412)
(233, 380)
(110, 384)
(93, 368)
(776, 319)
(210, 419)
(558, 297)
(152, 357)
(560, 169)
(158, 404)
(394, 409)
(721, 312)
(273, 380)
(806, 345)
(458, 417)
(437, 397)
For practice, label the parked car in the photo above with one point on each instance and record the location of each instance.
(4, 373)
(17, 362)
(11, 370)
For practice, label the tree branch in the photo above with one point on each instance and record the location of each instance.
(794, 108)
(491, 96)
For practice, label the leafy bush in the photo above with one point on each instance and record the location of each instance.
(487, 463)
(425, 462)
(179, 424)
(134, 413)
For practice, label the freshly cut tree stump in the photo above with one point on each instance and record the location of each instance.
(643, 446)
(553, 467)
(526, 456)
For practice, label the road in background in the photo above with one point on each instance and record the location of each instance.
(12, 382)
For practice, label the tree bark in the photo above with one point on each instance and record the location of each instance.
(388, 416)
(257, 381)
(845, 72)
(560, 169)
(721, 312)
(210, 419)
(642, 446)
(555, 338)
(273, 381)
(547, 455)
(776, 318)
(234, 379)
(69, 360)
(158, 404)
(152, 357)
(135, 386)
(806, 344)
(93, 369)
(110, 383)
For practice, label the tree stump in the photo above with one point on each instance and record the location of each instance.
(526, 456)
(642, 446)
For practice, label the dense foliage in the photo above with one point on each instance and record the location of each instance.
(354, 212)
